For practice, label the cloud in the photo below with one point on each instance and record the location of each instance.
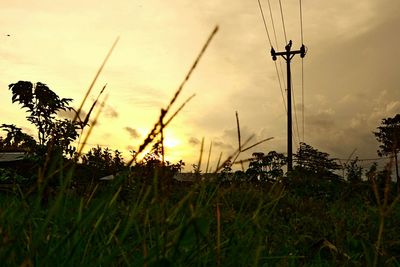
(222, 145)
(132, 132)
(70, 114)
(321, 120)
(194, 141)
(110, 112)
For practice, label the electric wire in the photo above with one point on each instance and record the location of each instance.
(265, 23)
(368, 159)
(283, 21)
(280, 85)
(302, 73)
(276, 39)
(295, 112)
(301, 22)
(270, 43)
(295, 138)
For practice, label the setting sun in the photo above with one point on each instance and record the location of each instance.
(171, 142)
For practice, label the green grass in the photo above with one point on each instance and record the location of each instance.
(151, 225)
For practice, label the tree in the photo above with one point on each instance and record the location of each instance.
(314, 174)
(266, 167)
(388, 134)
(353, 171)
(314, 161)
(103, 161)
(42, 106)
(16, 140)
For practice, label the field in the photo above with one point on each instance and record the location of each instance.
(161, 222)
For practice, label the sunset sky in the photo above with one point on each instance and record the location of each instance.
(351, 70)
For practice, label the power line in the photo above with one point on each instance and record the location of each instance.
(280, 85)
(265, 24)
(283, 21)
(272, 21)
(301, 22)
(368, 159)
(276, 43)
(295, 113)
(302, 71)
(296, 142)
(270, 43)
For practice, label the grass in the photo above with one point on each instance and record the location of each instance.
(204, 224)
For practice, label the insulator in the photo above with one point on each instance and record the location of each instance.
(302, 51)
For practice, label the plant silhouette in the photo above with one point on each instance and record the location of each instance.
(42, 106)
(388, 135)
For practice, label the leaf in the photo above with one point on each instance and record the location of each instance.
(22, 93)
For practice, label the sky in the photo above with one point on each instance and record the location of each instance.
(350, 70)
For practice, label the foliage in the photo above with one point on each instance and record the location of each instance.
(42, 106)
(152, 169)
(8, 176)
(103, 160)
(227, 167)
(200, 225)
(315, 162)
(306, 184)
(16, 140)
(353, 171)
(266, 167)
(388, 135)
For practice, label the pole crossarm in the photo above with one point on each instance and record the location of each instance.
(288, 55)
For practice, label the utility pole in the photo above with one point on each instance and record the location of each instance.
(288, 55)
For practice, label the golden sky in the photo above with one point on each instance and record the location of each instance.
(350, 72)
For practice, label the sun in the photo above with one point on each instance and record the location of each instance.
(170, 141)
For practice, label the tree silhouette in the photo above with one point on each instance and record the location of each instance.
(42, 106)
(266, 167)
(314, 161)
(388, 134)
(16, 139)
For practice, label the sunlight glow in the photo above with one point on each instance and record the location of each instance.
(171, 141)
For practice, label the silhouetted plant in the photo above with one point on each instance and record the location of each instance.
(266, 167)
(353, 171)
(311, 160)
(256, 167)
(388, 134)
(153, 159)
(152, 167)
(195, 169)
(42, 106)
(8, 176)
(381, 181)
(103, 160)
(227, 168)
(313, 175)
(16, 140)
